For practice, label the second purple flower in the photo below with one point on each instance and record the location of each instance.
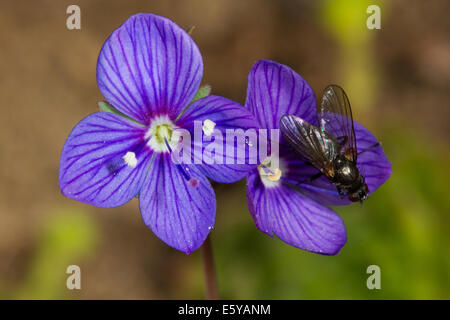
(299, 217)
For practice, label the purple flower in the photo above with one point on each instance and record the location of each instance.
(149, 70)
(300, 219)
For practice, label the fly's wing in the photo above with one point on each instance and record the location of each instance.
(335, 117)
(310, 142)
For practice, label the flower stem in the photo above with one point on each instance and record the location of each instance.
(209, 270)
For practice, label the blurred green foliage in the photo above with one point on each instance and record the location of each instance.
(356, 64)
(68, 237)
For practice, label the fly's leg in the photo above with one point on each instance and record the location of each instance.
(314, 177)
(369, 148)
(341, 193)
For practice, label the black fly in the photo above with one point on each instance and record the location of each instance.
(330, 146)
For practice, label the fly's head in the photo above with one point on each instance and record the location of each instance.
(359, 194)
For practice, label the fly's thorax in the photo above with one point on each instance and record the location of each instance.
(347, 174)
(350, 181)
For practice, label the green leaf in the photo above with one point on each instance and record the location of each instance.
(106, 107)
(202, 92)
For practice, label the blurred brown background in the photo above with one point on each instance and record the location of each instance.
(398, 79)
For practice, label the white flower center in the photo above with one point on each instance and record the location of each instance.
(270, 172)
(208, 127)
(274, 177)
(130, 159)
(160, 134)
